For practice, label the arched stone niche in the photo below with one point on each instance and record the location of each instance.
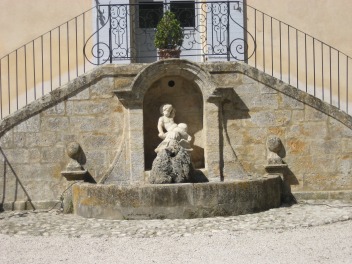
(187, 99)
(191, 89)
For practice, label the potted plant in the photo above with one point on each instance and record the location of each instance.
(168, 36)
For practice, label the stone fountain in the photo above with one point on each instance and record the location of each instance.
(175, 148)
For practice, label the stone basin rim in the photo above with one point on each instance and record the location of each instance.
(177, 201)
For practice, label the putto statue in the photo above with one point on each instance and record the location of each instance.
(174, 131)
(173, 163)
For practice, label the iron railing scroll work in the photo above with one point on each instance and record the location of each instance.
(212, 31)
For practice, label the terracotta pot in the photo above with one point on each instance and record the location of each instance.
(169, 53)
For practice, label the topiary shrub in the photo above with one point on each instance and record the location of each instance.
(169, 33)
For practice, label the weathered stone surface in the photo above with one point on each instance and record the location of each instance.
(58, 109)
(52, 154)
(83, 95)
(338, 130)
(265, 89)
(171, 165)
(260, 101)
(227, 79)
(18, 155)
(87, 107)
(99, 140)
(298, 115)
(176, 200)
(102, 89)
(287, 102)
(91, 124)
(312, 114)
(34, 155)
(55, 123)
(19, 140)
(43, 139)
(271, 118)
(30, 125)
(6, 141)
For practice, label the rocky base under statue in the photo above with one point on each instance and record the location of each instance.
(172, 165)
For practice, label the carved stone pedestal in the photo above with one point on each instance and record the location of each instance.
(74, 172)
(276, 166)
(75, 175)
(281, 170)
(276, 169)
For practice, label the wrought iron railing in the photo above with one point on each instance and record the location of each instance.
(300, 59)
(43, 64)
(214, 31)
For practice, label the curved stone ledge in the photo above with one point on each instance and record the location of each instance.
(187, 200)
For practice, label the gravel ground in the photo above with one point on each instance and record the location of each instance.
(323, 244)
(304, 233)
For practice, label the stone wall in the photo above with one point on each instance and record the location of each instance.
(92, 111)
(33, 141)
(316, 136)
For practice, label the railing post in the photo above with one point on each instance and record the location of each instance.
(110, 42)
(228, 32)
(245, 31)
(97, 26)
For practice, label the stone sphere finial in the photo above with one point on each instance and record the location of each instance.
(274, 146)
(73, 150)
(74, 170)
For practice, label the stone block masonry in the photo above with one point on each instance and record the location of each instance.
(33, 141)
(103, 111)
(314, 134)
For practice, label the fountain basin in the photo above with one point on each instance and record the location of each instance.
(186, 200)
